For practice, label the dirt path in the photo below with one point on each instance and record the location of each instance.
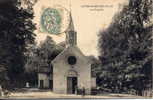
(49, 94)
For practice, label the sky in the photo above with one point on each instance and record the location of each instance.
(89, 17)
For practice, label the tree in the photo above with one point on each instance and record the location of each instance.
(125, 48)
(16, 28)
(42, 54)
(95, 65)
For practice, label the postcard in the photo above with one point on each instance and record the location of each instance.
(82, 49)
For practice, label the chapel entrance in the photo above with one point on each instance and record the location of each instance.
(71, 85)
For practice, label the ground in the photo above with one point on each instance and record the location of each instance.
(46, 94)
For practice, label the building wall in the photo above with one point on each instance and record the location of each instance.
(45, 78)
(93, 82)
(61, 69)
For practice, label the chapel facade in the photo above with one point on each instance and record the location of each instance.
(71, 69)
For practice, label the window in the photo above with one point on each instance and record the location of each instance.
(72, 60)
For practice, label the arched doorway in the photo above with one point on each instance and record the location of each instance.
(72, 81)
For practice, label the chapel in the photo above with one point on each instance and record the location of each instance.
(70, 70)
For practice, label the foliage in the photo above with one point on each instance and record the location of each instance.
(125, 48)
(95, 66)
(16, 32)
(38, 56)
(42, 54)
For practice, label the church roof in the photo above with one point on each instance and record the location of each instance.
(44, 69)
(71, 50)
(71, 24)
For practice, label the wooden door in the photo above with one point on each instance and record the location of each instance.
(51, 84)
(71, 84)
(74, 84)
(41, 84)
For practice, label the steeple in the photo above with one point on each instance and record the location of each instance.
(71, 25)
(71, 34)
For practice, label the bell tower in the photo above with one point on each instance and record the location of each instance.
(71, 34)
